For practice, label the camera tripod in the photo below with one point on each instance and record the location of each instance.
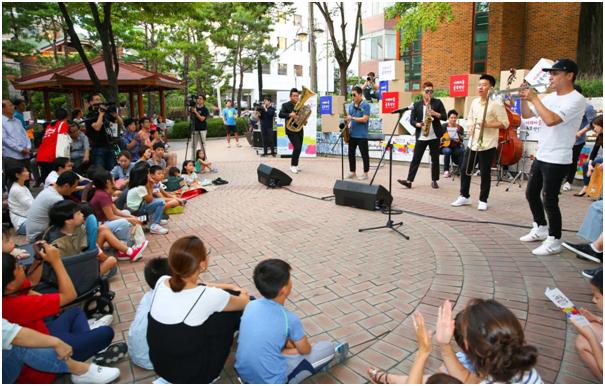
(192, 138)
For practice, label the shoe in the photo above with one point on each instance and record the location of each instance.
(213, 170)
(460, 201)
(363, 177)
(273, 155)
(97, 374)
(294, 170)
(550, 246)
(264, 155)
(446, 174)
(405, 183)
(341, 352)
(163, 222)
(105, 320)
(112, 354)
(589, 273)
(136, 254)
(351, 176)
(238, 145)
(434, 185)
(584, 251)
(566, 187)
(299, 169)
(219, 181)
(580, 194)
(482, 205)
(229, 146)
(157, 229)
(537, 233)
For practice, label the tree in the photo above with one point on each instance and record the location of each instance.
(415, 17)
(343, 54)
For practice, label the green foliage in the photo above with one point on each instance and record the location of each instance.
(591, 87)
(416, 17)
(216, 128)
(439, 93)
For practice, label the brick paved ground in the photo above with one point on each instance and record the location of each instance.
(363, 287)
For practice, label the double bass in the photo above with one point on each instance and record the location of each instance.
(510, 147)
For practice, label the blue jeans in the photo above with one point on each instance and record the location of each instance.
(21, 230)
(102, 156)
(92, 231)
(455, 153)
(155, 209)
(41, 359)
(592, 226)
(72, 328)
(120, 228)
(597, 160)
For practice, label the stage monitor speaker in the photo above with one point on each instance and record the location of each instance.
(272, 177)
(362, 196)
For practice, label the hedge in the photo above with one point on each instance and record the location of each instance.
(216, 128)
(591, 87)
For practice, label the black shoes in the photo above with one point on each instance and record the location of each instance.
(434, 185)
(219, 181)
(405, 183)
(584, 251)
(589, 273)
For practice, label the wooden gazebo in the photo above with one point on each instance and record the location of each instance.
(74, 79)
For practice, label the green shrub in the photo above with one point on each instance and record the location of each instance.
(216, 128)
(591, 87)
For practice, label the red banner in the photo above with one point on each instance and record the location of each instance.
(459, 85)
(390, 101)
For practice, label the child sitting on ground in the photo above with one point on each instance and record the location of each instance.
(272, 345)
(202, 165)
(60, 165)
(175, 181)
(189, 175)
(157, 175)
(121, 172)
(138, 349)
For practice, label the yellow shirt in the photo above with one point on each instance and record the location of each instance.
(495, 112)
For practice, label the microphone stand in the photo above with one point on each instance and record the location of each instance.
(342, 157)
(389, 147)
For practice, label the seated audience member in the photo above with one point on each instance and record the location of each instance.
(131, 141)
(272, 345)
(55, 143)
(157, 174)
(121, 172)
(455, 151)
(140, 198)
(589, 341)
(191, 325)
(138, 349)
(23, 346)
(145, 154)
(158, 156)
(20, 198)
(37, 215)
(174, 181)
(594, 160)
(21, 305)
(189, 175)
(202, 165)
(8, 245)
(60, 165)
(169, 157)
(79, 150)
(592, 231)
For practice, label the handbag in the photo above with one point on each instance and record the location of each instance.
(137, 236)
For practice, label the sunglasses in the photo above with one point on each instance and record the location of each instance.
(428, 91)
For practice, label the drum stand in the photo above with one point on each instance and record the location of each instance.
(522, 173)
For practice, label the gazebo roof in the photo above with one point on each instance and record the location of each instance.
(75, 76)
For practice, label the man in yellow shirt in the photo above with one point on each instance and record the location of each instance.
(482, 146)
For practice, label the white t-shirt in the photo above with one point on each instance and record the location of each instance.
(51, 179)
(135, 197)
(171, 307)
(431, 130)
(20, 199)
(555, 144)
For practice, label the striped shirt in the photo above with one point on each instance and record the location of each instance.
(528, 377)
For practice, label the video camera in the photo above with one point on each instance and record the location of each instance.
(258, 106)
(192, 101)
(110, 107)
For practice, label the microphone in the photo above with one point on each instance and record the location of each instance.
(400, 111)
(341, 126)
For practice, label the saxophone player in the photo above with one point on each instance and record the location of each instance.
(358, 117)
(296, 138)
(426, 118)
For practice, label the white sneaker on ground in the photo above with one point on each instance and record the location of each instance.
(550, 246)
(482, 205)
(299, 169)
(537, 233)
(566, 187)
(350, 176)
(238, 145)
(229, 145)
(460, 201)
(363, 177)
(97, 374)
(157, 229)
(294, 169)
(103, 321)
(163, 222)
(446, 174)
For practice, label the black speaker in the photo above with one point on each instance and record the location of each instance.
(272, 177)
(362, 196)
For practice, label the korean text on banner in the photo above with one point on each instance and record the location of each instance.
(325, 104)
(390, 102)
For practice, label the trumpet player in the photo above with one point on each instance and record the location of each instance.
(561, 112)
(296, 138)
(426, 117)
(482, 145)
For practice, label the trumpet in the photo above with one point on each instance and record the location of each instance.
(497, 95)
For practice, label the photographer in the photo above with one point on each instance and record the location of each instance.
(267, 116)
(199, 115)
(370, 88)
(98, 129)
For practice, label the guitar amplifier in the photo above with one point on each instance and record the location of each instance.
(362, 196)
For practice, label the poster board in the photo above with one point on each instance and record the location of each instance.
(284, 147)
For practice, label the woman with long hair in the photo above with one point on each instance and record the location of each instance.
(19, 196)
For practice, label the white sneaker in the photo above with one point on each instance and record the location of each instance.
(482, 205)
(363, 177)
(157, 229)
(163, 222)
(294, 169)
(537, 233)
(566, 187)
(446, 174)
(103, 321)
(550, 246)
(460, 201)
(97, 374)
(350, 176)
(299, 169)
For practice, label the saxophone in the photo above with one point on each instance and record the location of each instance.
(302, 111)
(428, 121)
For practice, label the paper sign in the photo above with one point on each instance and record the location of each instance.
(459, 85)
(390, 101)
(325, 104)
(537, 76)
(560, 300)
(386, 70)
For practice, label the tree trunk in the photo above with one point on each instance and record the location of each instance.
(590, 39)
(198, 79)
(343, 78)
(241, 85)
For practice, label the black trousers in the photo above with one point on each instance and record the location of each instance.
(546, 178)
(577, 149)
(485, 158)
(363, 149)
(45, 169)
(267, 136)
(419, 149)
(296, 139)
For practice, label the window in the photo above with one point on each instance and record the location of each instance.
(266, 68)
(282, 69)
(480, 32)
(298, 45)
(281, 43)
(379, 46)
(297, 20)
(412, 56)
(298, 70)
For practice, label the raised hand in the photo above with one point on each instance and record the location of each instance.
(424, 337)
(445, 324)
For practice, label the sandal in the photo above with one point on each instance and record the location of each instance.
(111, 355)
(580, 194)
(378, 376)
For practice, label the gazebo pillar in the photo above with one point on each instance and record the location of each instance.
(77, 99)
(140, 98)
(131, 103)
(46, 105)
(162, 104)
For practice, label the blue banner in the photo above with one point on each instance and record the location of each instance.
(384, 86)
(325, 104)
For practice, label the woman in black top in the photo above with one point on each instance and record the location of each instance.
(593, 159)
